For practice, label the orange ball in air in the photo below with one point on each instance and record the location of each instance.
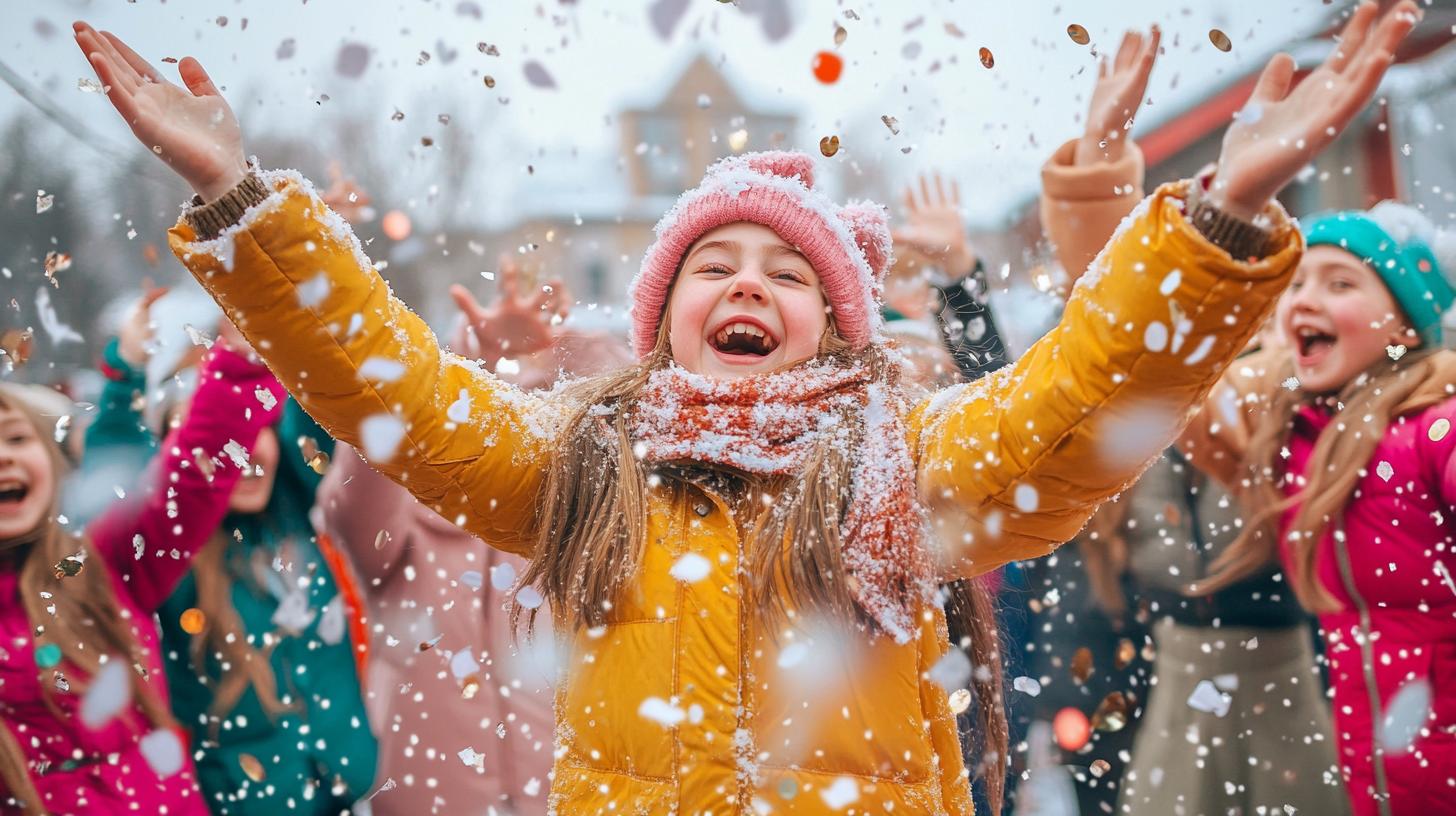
(827, 67)
(193, 620)
(396, 225)
(1072, 729)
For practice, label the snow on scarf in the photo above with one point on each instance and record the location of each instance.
(770, 423)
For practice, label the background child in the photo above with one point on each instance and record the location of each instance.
(1342, 446)
(85, 714)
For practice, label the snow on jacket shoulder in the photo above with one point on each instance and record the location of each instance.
(1015, 456)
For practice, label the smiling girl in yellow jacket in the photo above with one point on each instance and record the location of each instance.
(736, 533)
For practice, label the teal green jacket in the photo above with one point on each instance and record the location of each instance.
(320, 756)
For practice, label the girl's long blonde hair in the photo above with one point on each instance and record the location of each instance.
(592, 526)
(78, 613)
(1366, 406)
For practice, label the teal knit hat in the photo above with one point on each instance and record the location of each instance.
(1408, 267)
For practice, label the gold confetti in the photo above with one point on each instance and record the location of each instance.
(427, 645)
(1126, 653)
(471, 687)
(1439, 429)
(840, 35)
(69, 567)
(489, 81)
(1220, 40)
(1078, 34)
(193, 620)
(1111, 713)
(17, 344)
(987, 58)
(960, 700)
(56, 262)
(829, 145)
(380, 539)
(316, 459)
(1100, 767)
(1082, 665)
(252, 767)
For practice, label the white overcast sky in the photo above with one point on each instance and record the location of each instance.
(990, 128)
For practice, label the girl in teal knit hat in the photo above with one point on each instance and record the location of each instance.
(1341, 440)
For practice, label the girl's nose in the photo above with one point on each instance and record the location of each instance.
(748, 286)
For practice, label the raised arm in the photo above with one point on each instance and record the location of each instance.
(1090, 184)
(367, 514)
(150, 539)
(1015, 464)
(295, 280)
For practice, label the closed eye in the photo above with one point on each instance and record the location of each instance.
(789, 275)
(713, 269)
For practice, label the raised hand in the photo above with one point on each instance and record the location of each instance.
(193, 130)
(346, 197)
(134, 338)
(933, 228)
(514, 324)
(1121, 86)
(1280, 130)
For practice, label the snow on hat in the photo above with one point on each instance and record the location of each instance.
(848, 246)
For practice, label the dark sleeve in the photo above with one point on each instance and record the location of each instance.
(968, 326)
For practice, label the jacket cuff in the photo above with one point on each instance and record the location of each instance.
(1062, 180)
(209, 220)
(1241, 239)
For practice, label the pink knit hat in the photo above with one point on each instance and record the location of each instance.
(849, 246)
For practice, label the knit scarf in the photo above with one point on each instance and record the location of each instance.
(769, 424)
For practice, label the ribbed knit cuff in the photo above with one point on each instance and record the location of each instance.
(1240, 239)
(209, 220)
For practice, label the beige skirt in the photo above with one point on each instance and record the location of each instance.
(1236, 724)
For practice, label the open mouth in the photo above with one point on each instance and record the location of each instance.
(1311, 341)
(742, 339)
(12, 493)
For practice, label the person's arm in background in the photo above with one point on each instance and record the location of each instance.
(149, 540)
(1090, 184)
(935, 236)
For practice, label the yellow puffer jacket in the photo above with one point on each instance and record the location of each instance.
(684, 704)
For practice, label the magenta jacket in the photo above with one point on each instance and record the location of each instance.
(113, 775)
(439, 626)
(1393, 576)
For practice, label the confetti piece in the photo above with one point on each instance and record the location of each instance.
(352, 60)
(792, 655)
(332, 623)
(892, 123)
(471, 578)
(1078, 34)
(1111, 713)
(265, 398)
(1170, 283)
(1439, 429)
(396, 225)
(952, 671)
(1027, 685)
(691, 568)
(538, 76)
(1026, 498)
(1384, 471)
(1291, 383)
(380, 539)
(959, 700)
(840, 795)
(459, 410)
(987, 58)
(237, 453)
(1126, 651)
(1395, 352)
(471, 758)
(1081, 665)
(1220, 40)
(463, 665)
(59, 332)
(737, 140)
(162, 751)
(503, 577)
(1207, 698)
(69, 567)
(427, 645)
(317, 460)
(381, 369)
(252, 767)
(529, 597)
(197, 337)
(293, 613)
(48, 656)
(829, 145)
(489, 81)
(313, 291)
(1405, 715)
(108, 693)
(88, 85)
(43, 202)
(827, 67)
(661, 712)
(840, 35)
(17, 345)
(193, 620)
(380, 435)
(1099, 768)
(1071, 728)
(470, 687)
(286, 49)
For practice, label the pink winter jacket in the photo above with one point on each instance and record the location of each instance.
(1395, 571)
(146, 547)
(440, 628)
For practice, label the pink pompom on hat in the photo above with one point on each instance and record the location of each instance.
(848, 246)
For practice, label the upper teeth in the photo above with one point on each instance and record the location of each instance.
(10, 484)
(741, 328)
(1307, 331)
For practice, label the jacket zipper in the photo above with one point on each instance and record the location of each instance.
(1367, 665)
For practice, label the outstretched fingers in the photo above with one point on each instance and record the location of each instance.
(196, 79)
(1274, 82)
(1352, 37)
(465, 302)
(143, 68)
